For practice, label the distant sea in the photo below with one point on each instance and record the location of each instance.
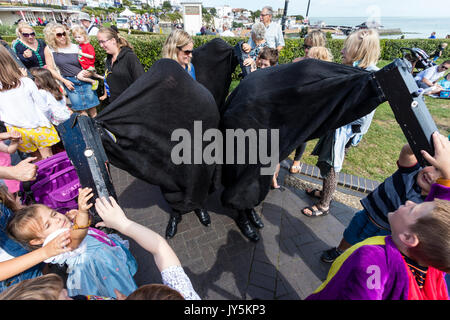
(412, 27)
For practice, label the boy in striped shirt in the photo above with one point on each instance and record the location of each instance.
(410, 182)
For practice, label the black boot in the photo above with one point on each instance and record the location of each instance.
(171, 229)
(246, 228)
(254, 218)
(203, 216)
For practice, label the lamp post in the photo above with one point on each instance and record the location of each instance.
(283, 20)
(307, 12)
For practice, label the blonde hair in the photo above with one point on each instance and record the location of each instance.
(47, 287)
(25, 225)
(363, 46)
(79, 30)
(433, 231)
(316, 38)
(50, 35)
(177, 39)
(320, 53)
(10, 73)
(21, 25)
(112, 34)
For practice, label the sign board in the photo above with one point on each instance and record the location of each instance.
(191, 10)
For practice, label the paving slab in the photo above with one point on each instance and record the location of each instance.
(221, 263)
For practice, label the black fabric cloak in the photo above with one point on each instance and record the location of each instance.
(303, 100)
(214, 64)
(143, 118)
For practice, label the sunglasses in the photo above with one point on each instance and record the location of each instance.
(26, 35)
(305, 46)
(444, 67)
(186, 52)
(59, 35)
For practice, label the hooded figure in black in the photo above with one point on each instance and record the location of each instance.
(155, 122)
(302, 101)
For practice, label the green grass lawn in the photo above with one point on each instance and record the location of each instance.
(376, 155)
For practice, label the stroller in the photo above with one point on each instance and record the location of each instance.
(419, 59)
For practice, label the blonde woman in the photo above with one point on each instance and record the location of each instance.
(179, 46)
(122, 66)
(315, 38)
(362, 50)
(62, 61)
(29, 49)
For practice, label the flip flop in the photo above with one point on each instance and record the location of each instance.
(280, 188)
(312, 193)
(315, 212)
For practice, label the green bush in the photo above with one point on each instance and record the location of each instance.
(148, 47)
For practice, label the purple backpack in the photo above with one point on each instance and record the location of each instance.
(56, 184)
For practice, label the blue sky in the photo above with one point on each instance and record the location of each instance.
(348, 8)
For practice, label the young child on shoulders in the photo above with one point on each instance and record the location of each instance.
(55, 108)
(410, 182)
(410, 263)
(98, 263)
(86, 56)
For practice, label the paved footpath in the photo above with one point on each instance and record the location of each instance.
(221, 263)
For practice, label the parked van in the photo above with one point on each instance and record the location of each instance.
(122, 23)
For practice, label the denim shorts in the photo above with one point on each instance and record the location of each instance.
(361, 228)
(82, 97)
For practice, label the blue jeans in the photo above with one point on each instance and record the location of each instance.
(82, 97)
(361, 228)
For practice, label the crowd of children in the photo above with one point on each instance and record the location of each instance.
(397, 247)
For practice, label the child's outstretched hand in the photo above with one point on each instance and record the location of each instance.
(441, 159)
(111, 214)
(83, 197)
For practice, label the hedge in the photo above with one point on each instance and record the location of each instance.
(148, 47)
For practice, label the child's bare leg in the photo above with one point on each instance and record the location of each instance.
(36, 154)
(344, 245)
(92, 112)
(95, 75)
(81, 78)
(45, 152)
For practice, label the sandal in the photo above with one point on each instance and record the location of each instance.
(315, 212)
(294, 169)
(312, 193)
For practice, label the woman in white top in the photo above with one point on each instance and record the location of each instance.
(20, 109)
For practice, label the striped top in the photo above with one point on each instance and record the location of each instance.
(419, 272)
(37, 58)
(393, 193)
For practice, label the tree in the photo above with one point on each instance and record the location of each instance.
(166, 6)
(255, 15)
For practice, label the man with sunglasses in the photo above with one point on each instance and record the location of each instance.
(428, 78)
(274, 35)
